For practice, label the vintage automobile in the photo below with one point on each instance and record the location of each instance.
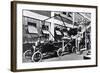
(37, 52)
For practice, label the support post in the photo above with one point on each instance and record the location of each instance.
(52, 27)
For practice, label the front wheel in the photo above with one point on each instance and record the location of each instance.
(37, 57)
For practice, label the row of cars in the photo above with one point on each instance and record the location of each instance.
(36, 52)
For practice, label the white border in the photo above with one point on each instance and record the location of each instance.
(21, 65)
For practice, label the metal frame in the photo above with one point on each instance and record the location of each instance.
(14, 35)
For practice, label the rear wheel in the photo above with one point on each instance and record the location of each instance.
(27, 55)
(59, 52)
(37, 57)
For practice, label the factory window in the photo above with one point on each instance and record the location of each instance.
(32, 27)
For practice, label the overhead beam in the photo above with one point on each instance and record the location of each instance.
(83, 15)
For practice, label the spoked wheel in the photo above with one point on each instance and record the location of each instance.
(59, 52)
(28, 55)
(37, 57)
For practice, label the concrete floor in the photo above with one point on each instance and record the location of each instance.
(66, 57)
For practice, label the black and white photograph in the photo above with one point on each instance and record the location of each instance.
(53, 36)
(56, 36)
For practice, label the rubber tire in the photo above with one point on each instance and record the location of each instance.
(24, 55)
(41, 56)
(59, 52)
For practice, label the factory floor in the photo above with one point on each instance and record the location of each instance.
(66, 57)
